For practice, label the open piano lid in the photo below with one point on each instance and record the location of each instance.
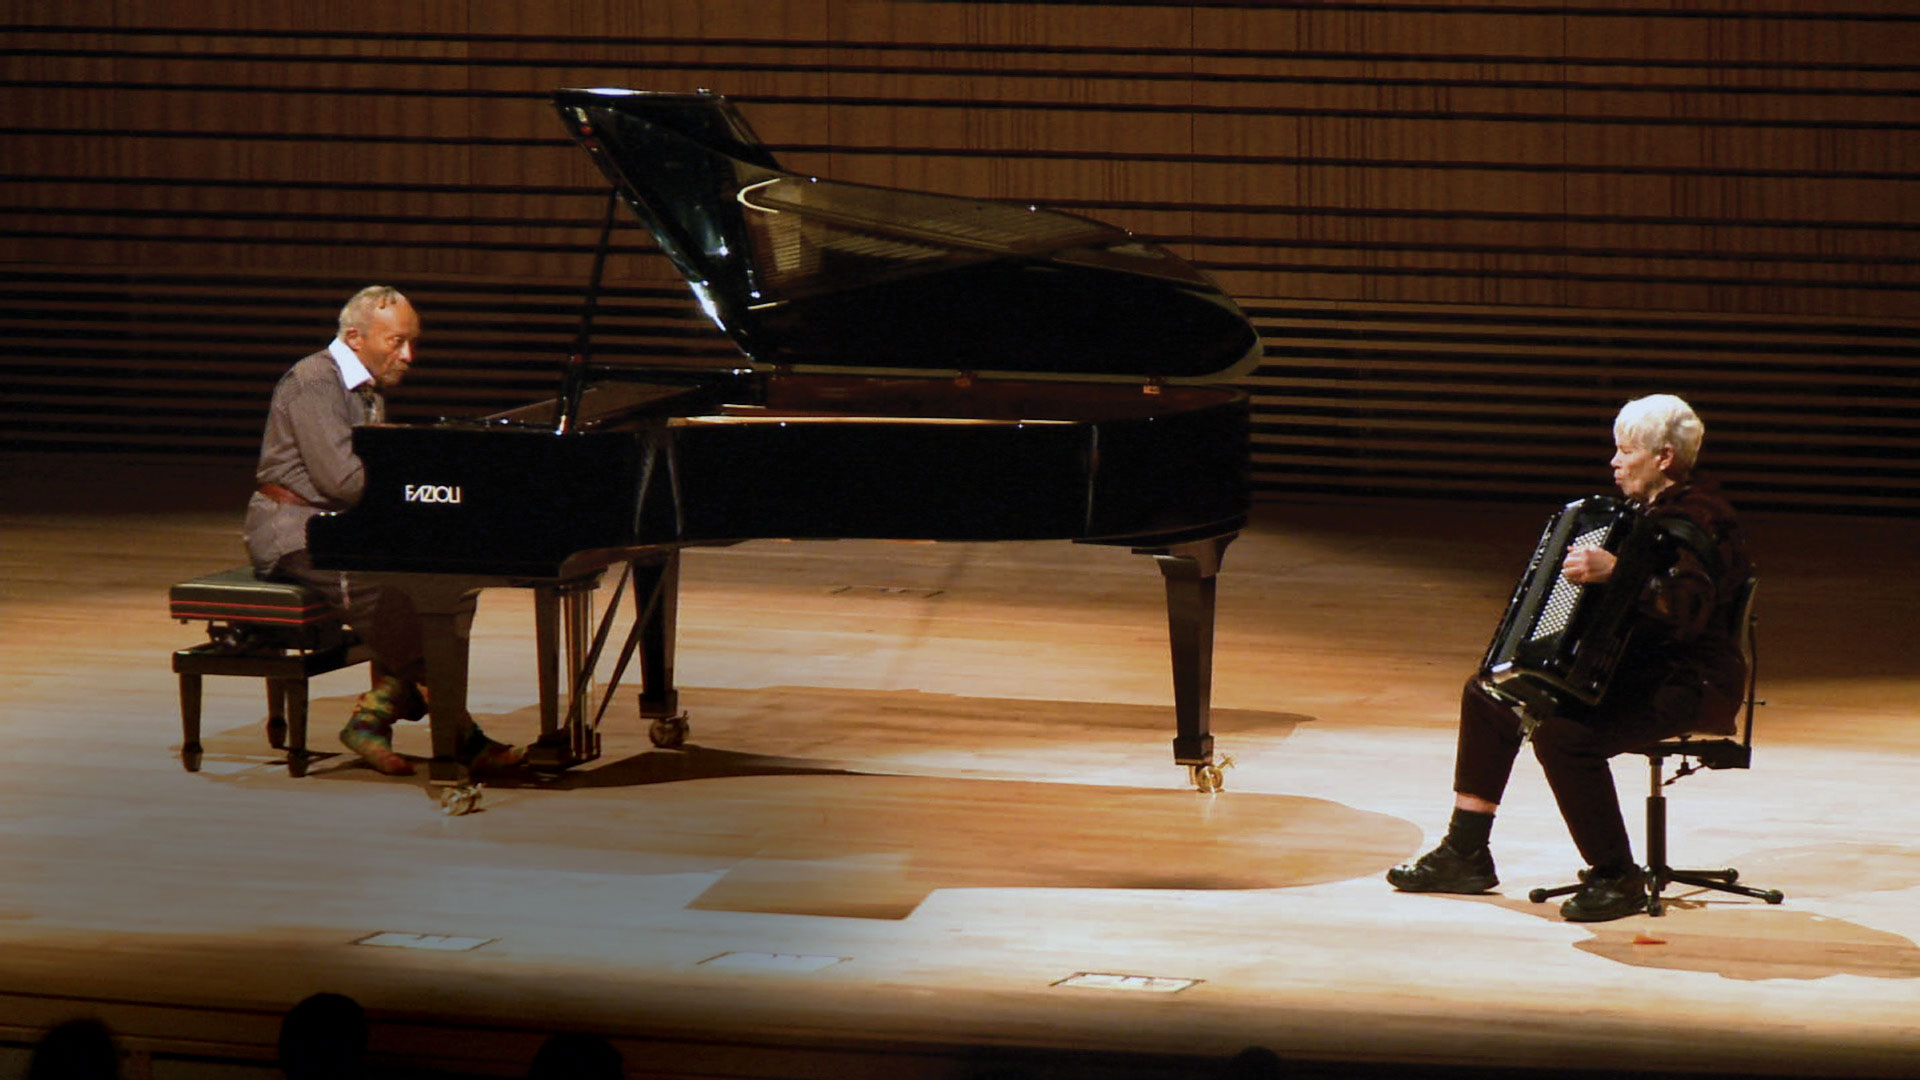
(811, 274)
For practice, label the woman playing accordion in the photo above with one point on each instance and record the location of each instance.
(1676, 667)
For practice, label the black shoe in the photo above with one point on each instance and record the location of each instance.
(1447, 871)
(1607, 896)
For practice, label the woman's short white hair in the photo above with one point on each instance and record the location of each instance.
(359, 308)
(1658, 421)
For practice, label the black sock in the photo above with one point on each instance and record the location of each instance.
(1468, 831)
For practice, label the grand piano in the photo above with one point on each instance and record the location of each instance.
(912, 366)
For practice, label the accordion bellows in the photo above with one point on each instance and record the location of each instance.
(1559, 642)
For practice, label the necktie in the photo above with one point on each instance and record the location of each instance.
(372, 402)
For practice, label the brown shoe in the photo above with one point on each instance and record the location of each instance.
(482, 755)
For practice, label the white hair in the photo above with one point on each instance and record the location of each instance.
(1659, 421)
(360, 307)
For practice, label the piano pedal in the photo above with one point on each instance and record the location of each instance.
(669, 732)
(1210, 778)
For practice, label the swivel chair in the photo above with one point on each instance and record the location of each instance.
(1695, 753)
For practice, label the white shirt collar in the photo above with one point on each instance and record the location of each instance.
(353, 373)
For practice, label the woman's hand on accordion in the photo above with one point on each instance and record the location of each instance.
(1588, 565)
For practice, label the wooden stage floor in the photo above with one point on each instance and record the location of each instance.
(929, 785)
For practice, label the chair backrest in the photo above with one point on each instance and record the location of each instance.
(1724, 753)
(1746, 633)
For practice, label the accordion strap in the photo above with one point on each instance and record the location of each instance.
(1695, 539)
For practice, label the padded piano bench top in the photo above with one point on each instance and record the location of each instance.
(237, 596)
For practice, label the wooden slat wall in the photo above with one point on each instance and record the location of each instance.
(1467, 231)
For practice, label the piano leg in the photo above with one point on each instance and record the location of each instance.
(446, 610)
(656, 596)
(1189, 570)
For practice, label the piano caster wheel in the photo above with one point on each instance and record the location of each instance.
(669, 732)
(190, 757)
(276, 732)
(460, 800)
(1208, 779)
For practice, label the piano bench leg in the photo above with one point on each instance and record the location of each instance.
(294, 699)
(190, 751)
(277, 713)
(286, 676)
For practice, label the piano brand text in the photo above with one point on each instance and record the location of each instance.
(432, 493)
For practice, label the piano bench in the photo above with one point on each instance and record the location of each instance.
(282, 632)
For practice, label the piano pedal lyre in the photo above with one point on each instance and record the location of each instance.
(1210, 778)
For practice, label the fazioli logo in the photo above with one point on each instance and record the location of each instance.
(432, 493)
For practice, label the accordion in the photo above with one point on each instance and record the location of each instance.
(1559, 642)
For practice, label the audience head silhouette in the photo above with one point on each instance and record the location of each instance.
(1255, 1063)
(324, 1038)
(577, 1056)
(82, 1049)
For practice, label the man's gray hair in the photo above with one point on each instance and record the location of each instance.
(1661, 420)
(360, 307)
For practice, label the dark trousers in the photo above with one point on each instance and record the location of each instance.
(384, 618)
(1573, 750)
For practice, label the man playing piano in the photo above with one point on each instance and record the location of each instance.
(1682, 672)
(307, 468)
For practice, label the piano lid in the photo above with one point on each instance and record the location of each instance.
(807, 274)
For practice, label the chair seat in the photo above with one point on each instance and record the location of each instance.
(1715, 752)
(238, 595)
(265, 614)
